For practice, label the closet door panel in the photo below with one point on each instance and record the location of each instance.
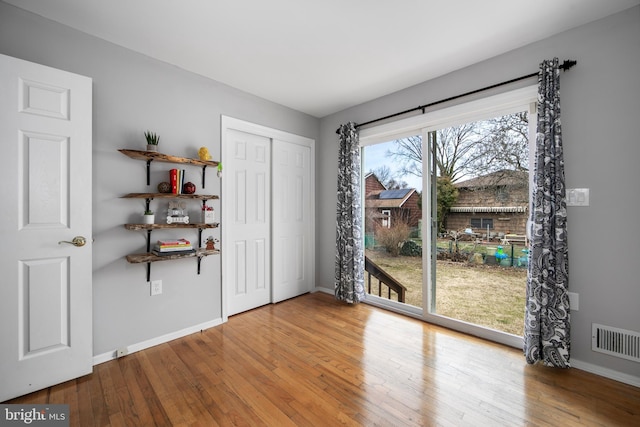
(247, 271)
(292, 213)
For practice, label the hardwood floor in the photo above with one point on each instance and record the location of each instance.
(312, 361)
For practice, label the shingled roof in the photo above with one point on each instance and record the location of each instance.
(495, 179)
(388, 198)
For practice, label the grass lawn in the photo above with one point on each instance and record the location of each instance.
(490, 296)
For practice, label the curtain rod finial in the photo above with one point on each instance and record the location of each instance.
(567, 64)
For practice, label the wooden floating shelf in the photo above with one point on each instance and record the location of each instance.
(169, 196)
(150, 257)
(166, 158)
(169, 226)
(151, 156)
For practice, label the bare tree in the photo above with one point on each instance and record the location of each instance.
(507, 144)
(408, 153)
(458, 149)
(395, 184)
(471, 149)
(383, 173)
(388, 178)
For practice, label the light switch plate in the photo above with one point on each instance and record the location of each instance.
(577, 197)
(574, 301)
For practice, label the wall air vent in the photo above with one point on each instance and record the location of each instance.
(616, 342)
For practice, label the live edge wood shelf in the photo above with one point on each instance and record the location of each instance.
(150, 196)
(148, 257)
(164, 226)
(150, 156)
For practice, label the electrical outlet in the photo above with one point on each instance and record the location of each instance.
(156, 287)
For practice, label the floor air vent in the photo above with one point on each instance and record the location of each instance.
(616, 342)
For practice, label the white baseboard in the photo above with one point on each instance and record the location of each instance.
(606, 372)
(323, 290)
(105, 357)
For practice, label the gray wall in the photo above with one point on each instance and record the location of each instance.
(133, 93)
(600, 114)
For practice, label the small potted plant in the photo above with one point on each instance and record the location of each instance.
(152, 141)
(148, 217)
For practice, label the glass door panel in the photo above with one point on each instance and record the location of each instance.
(393, 220)
(479, 204)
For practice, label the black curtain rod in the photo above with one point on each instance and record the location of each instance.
(567, 64)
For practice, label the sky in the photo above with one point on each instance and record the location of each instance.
(375, 157)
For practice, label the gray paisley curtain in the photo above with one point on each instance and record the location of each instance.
(349, 285)
(547, 327)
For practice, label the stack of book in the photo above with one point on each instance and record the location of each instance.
(173, 247)
(176, 179)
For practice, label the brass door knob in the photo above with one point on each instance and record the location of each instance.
(77, 241)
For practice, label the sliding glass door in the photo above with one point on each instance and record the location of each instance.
(463, 262)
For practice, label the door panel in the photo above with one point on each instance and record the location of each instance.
(44, 184)
(43, 326)
(247, 267)
(45, 290)
(292, 271)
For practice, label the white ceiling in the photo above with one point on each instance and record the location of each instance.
(322, 56)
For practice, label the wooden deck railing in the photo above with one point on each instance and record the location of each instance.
(383, 278)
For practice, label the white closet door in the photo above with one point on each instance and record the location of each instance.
(247, 219)
(292, 235)
(268, 221)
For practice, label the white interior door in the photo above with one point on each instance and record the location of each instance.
(247, 221)
(292, 232)
(45, 288)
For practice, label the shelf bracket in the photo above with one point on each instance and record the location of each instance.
(204, 167)
(149, 171)
(199, 259)
(148, 249)
(199, 238)
(148, 240)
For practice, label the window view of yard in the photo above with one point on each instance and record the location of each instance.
(487, 295)
(480, 182)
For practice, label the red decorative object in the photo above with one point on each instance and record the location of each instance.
(189, 188)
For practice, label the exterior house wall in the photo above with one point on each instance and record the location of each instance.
(412, 211)
(372, 184)
(373, 187)
(503, 222)
(408, 212)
